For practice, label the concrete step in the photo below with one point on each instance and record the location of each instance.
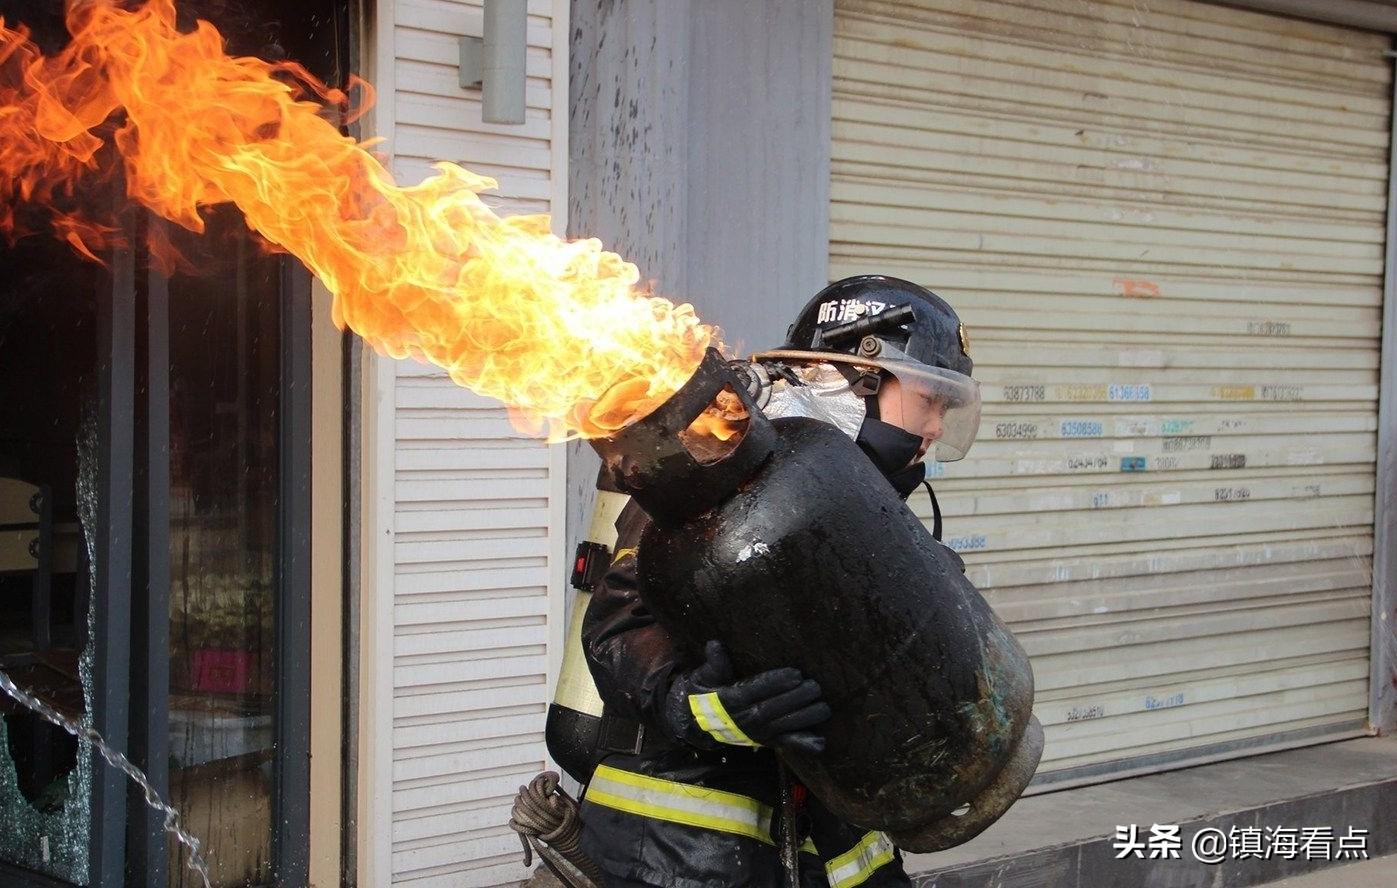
(1067, 839)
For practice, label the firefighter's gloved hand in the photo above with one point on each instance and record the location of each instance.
(779, 707)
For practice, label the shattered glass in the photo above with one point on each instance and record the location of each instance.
(48, 478)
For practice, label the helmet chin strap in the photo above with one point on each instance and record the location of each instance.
(935, 511)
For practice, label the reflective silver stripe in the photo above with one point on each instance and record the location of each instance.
(712, 717)
(856, 865)
(680, 803)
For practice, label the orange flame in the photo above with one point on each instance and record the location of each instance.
(557, 330)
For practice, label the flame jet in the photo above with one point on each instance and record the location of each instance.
(559, 331)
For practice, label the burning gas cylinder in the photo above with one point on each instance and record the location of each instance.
(786, 543)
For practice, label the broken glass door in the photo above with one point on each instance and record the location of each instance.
(49, 390)
(153, 494)
(154, 526)
(48, 450)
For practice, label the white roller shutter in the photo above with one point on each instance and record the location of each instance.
(477, 527)
(1163, 225)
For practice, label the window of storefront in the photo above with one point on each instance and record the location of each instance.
(154, 512)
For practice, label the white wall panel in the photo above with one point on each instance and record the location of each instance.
(475, 532)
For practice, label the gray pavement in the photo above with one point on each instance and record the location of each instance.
(1092, 813)
(1380, 872)
(1064, 839)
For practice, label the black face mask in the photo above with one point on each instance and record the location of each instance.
(891, 449)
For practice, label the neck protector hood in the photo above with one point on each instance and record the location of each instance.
(891, 449)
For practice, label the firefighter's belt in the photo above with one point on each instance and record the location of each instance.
(618, 734)
(683, 803)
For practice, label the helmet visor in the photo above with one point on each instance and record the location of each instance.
(937, 404)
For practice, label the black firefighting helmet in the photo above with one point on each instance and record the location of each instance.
(933, 335)
(878, 325)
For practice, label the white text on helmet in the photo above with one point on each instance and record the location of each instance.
(847, 310)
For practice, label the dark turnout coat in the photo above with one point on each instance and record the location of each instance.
(661, 813)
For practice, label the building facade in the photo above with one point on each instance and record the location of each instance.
(320, 595)
(1167, 232)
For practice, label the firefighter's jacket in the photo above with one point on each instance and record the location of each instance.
(676, 816)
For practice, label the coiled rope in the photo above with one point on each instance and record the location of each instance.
(547, 821)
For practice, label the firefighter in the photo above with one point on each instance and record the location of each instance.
(685, 794)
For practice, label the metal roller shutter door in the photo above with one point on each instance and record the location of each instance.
(1164, 229)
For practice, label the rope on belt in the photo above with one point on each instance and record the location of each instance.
(547, 821)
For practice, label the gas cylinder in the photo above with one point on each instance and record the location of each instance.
(788, 545)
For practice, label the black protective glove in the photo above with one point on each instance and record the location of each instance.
(705, 707)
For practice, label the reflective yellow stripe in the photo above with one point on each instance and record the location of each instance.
(622, 553)
(683, 803)
(680, 803)
(712, 717)
(855, 866)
